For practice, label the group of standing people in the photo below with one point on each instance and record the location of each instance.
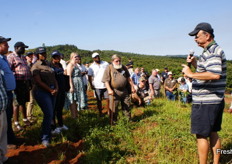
(51, 81)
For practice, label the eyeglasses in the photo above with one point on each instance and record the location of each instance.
(200, 35)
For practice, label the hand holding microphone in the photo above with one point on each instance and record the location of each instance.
(189, 58)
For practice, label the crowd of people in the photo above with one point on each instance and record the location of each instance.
(52, 84)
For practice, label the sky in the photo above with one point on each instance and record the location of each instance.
(151, 27)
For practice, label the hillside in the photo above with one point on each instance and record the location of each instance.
(159, 133)
(149, 62)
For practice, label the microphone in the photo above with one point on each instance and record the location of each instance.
(191, 52)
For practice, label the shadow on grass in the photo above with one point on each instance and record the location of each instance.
(145, 114)
(78, 128)
(103, 155)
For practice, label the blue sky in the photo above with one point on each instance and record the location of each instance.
(153, 27)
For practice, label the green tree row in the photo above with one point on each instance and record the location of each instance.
(149, 62)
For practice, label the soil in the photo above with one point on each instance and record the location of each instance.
(68, 152)
(30, 153)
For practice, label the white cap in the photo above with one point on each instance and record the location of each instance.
(157, 70)
(191, 52)
(95, 54)
(169, 73)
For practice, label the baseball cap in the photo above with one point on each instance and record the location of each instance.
(95, 54)
(55, 53)
(2, 39)
(40, 50)
(182, 80)
(169, 73)
(157, 70)
(202, 26)
(29, 53)
(20, 44)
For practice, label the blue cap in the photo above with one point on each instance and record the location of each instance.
(55, 53)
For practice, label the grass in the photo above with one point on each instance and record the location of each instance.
(159, 133)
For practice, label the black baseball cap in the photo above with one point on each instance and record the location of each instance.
(20, 44)
(202, 26)
(40, 50)
(2, 39)
(55, 53)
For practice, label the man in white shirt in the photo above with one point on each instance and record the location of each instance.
(95, 74)
(63, 63)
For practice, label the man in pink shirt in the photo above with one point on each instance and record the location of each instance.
(18, 65)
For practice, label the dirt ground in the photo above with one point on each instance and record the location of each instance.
(37, 154)
(29, 153)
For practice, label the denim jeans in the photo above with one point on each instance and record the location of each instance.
(59, 105)
(170, 96)
(46, 102)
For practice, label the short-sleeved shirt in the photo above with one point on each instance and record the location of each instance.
(59, 74)
(18, 65)
(45, 72)
(164, 75)
(170, 83)
(3, 95)
(155, 81)
(63, 63)
(97, 71)
(184, 86)
(210, 91)
(8, 76)
(143, 92)
(135, 78)
(118, 78)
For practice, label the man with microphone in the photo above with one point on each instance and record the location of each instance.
(207, 92)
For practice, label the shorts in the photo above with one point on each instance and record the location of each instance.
(22, 92)
(206, 118)
(101, 93)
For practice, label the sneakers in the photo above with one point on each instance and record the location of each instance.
(45, 143)
(64, 127)
(56, 131)
(17, 127)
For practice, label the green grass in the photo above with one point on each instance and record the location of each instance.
(159, 133)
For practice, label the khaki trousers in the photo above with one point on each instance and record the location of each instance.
(30, 105)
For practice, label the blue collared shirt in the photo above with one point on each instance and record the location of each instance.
(8, 76)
